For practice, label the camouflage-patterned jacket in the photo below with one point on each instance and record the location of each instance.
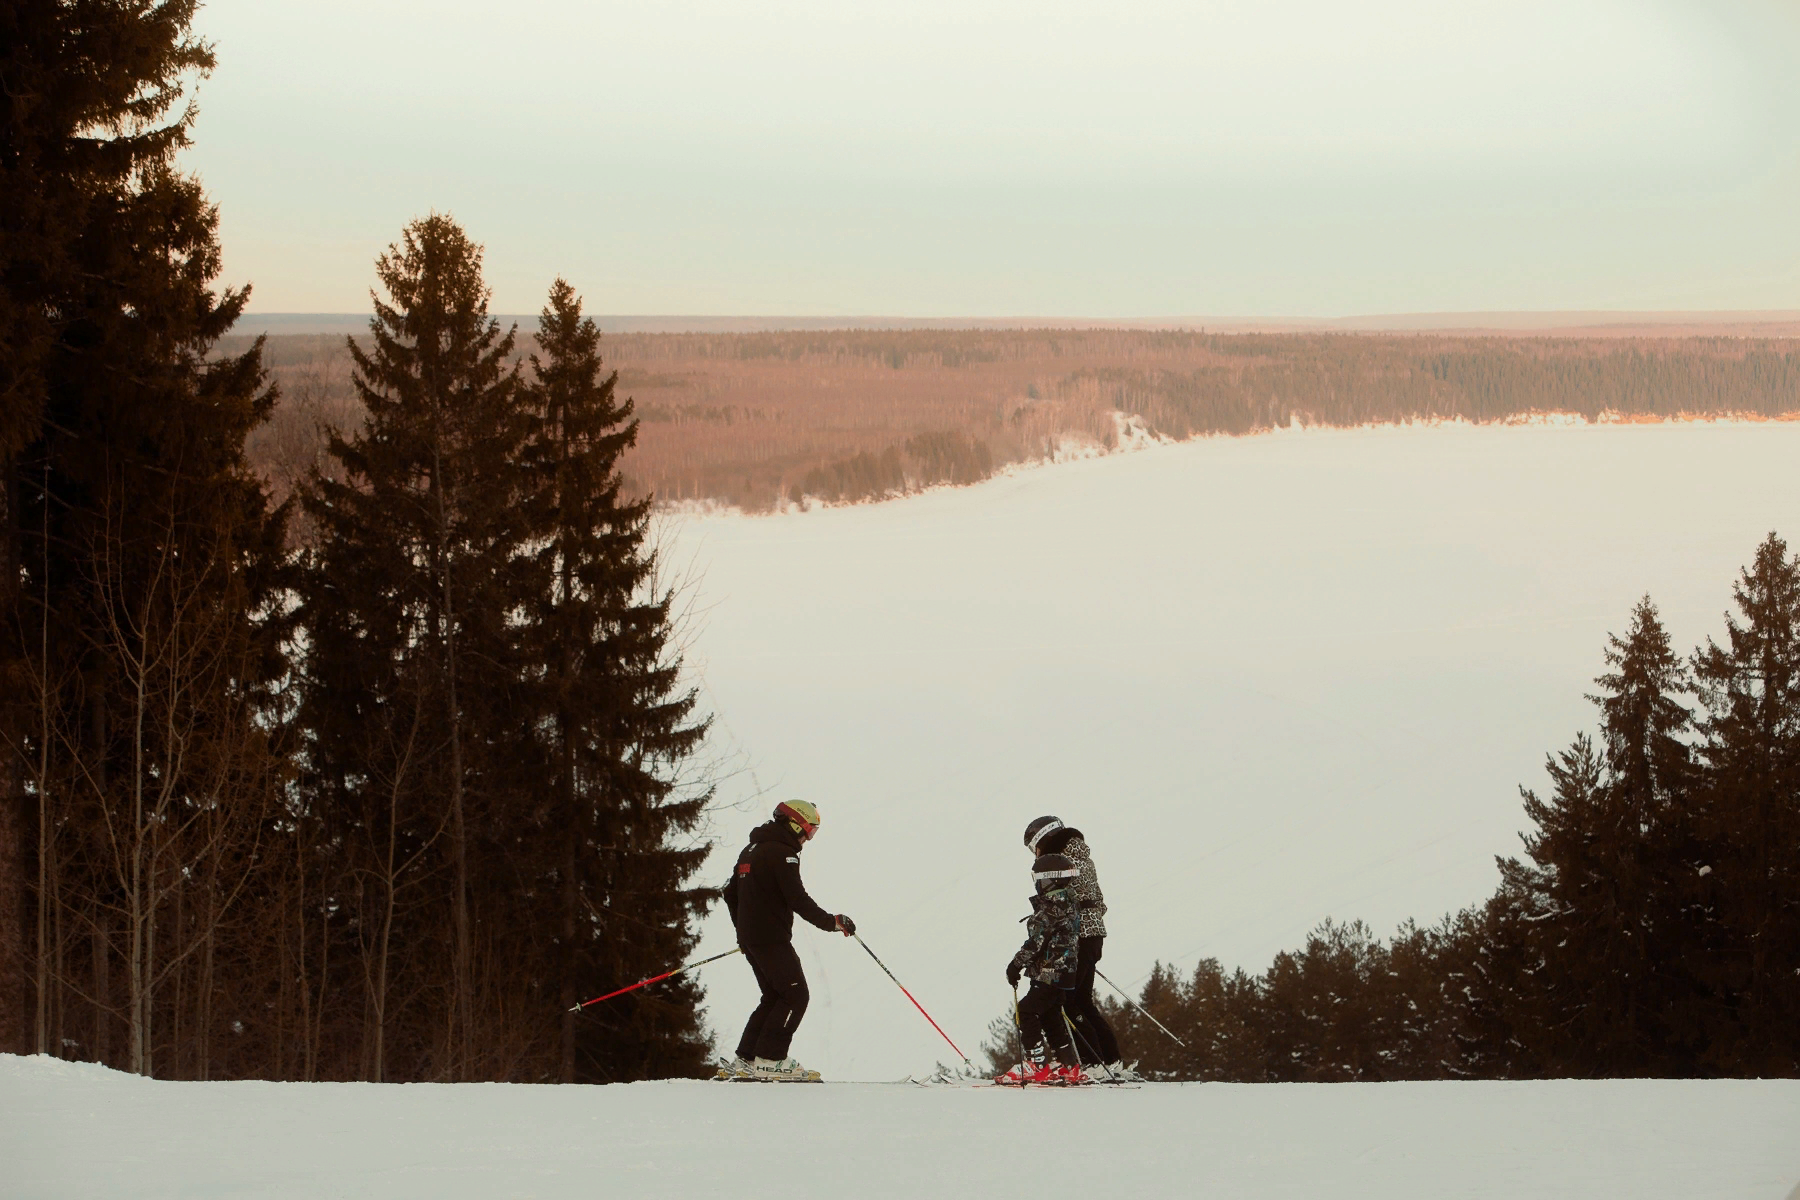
(1051, 936)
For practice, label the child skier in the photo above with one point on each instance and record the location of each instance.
(1049, 955)
(1097, 1044)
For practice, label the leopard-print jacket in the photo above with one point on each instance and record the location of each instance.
(1087, 888)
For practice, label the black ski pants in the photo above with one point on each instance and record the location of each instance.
(1041, 1020)
(784, 997)
(1098, 1043)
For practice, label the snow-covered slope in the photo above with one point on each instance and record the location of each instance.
(79, 1131)
(1274, 678)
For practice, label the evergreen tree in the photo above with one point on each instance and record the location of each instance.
(139, 553)
(1748, 821)
(1648, 832)
(616, 727)
(1602, 924)
(413, 704)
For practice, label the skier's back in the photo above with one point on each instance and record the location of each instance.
(763, 895)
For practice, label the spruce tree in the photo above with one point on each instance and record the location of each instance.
(1605, 925)
(1748, 820)
(615, 849)
(413, 700)
(1647, 833)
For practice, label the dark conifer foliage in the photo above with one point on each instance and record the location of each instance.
(1748, 822)
(495, 727)
(412, 697)
(616, 725)
(141, 561)
(1653, 927)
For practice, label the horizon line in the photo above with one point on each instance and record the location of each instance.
(1614, 322)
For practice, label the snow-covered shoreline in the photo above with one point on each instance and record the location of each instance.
(1132, 436)
(78, 1130)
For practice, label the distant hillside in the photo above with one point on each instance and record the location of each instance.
(759, 420)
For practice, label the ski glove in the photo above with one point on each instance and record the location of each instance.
(1013, 971)
(845, 925)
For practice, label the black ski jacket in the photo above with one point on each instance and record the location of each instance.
(765, 889)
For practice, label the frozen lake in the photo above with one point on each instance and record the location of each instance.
(1274, 678)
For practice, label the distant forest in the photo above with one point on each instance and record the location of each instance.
(763, 420)
(1652, 927)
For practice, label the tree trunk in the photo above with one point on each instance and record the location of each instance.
(18, 1033)
(16, 959)
(134, 897)
(102, 989)
(460, 1006)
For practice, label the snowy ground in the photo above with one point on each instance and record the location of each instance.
(1275, 679)
(77, 1130)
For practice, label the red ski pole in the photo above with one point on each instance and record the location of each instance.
(915, 1003)
(654, 978)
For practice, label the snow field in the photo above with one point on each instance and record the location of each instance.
(71, 1130)
(1273, 678)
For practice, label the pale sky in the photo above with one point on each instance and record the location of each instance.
(1140, 158)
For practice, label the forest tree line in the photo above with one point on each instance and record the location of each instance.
(766, 420)
(1652, 927)
(381, 801)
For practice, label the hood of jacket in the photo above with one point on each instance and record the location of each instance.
(777, 831)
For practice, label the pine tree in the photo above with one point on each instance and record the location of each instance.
(139, 552)
(413, 699)
(617, 726)
(1748, 820)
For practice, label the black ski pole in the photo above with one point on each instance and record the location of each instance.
(1019, 1028)
(1073, 1038)
(1115, 987)
(1075, 1034)
(915, 1003)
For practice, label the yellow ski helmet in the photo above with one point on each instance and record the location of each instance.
(803, 816)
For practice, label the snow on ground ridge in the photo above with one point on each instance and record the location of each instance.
(78, 1130)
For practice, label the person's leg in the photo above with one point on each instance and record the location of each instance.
(787, 985)
(1098, 1042)
(1031, 1021)
(1041, 1018)
(746, 1047)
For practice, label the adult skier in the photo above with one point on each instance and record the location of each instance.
(1049, 956)
(1048, 835)
(763, 895)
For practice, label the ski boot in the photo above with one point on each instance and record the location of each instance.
(768, 1070)
(1121, 1073)
(1031, 1073)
